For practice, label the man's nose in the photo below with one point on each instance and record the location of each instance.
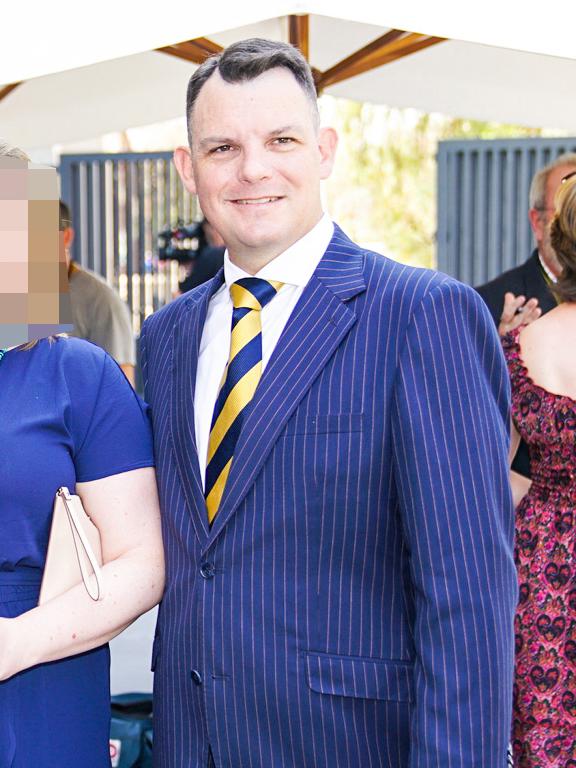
(254, 164)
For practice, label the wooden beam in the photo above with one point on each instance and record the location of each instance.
(333, 75)
(392, 46)
(5, 90)
(299, 33)
(196, 50)
(395, 44)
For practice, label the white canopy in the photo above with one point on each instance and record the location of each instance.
(89, 74)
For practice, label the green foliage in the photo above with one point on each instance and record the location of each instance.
(383, 189)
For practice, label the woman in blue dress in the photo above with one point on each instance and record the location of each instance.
(68, 417)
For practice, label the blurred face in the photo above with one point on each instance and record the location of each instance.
(256, 162)
(541, 219)
(33, 274)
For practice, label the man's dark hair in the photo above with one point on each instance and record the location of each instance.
(65, 217)
(246, 60)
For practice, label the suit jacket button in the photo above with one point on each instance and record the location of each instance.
(207, 570)
(196, 677)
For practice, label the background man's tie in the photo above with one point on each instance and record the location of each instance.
(249, 296)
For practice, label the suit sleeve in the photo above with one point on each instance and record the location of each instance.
(143, 356)
(450, 422)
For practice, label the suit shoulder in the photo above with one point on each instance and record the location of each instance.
(380, 275)
(410, 294)
(385, 274)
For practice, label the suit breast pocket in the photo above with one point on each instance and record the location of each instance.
(318, 448)
(324, 424)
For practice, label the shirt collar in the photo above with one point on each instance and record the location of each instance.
(295, 265)
(547, 269)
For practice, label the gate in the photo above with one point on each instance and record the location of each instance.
(483, 187)
(119, 203)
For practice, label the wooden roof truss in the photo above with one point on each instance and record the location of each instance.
(393, 45)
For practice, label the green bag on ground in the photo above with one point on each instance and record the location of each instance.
(131, 731)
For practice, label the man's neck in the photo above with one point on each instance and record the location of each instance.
(251, 263)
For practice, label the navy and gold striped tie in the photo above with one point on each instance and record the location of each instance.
(249, 296)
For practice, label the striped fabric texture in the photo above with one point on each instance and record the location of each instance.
(352, 603)
(249, 296)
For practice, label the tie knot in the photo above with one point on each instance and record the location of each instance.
(253, 292)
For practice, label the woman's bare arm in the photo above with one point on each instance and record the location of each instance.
(125, 509)
(520, 484)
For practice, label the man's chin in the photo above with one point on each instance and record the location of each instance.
(257, 250)
(254, 240)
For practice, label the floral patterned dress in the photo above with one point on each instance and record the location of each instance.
(544, 715)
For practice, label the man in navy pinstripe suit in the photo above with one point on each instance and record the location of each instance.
(351, 601)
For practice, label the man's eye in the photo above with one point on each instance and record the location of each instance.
(222, 148)
(284, 140)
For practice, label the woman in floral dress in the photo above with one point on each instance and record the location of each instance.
(542, 362)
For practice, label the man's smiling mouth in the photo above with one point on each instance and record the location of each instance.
(255, 200)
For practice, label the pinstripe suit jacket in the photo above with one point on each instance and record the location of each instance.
(353, 603)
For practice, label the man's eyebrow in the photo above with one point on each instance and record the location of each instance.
(282, 131)
(215, 140)
(285, 129)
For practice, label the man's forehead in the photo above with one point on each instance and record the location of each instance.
(224, 108)
(555, 177)
(274, 83)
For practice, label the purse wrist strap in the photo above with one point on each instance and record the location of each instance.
(82, 546)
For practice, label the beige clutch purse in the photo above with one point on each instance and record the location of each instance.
(74, 550)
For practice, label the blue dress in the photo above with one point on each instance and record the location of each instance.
(67, 415)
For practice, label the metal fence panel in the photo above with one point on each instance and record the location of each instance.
(119, 203)
(483, 186)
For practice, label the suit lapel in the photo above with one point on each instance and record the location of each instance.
(536, 285)
(319, 323)
(187, 334)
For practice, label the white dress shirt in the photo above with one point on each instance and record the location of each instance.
(546, 268)
(294, 268)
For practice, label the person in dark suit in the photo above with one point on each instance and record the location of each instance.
(531, 280)
(209, 262)
(337, 514)
(522, 294)
(209, 258)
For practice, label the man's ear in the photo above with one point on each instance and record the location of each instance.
(68, 237)
(536, 223)
(327, 143)
(183, 163)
